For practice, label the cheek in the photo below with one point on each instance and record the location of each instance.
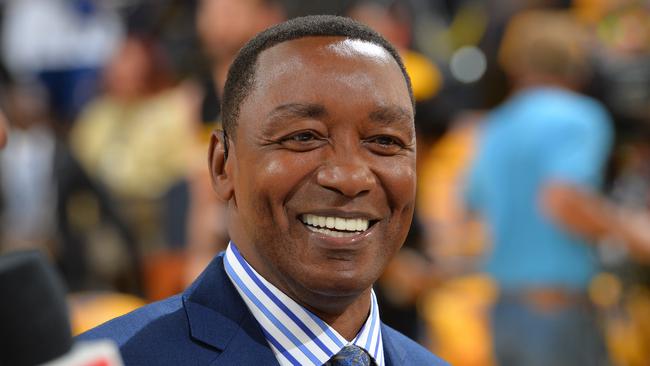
(273, 169)
(274, 180)
(399, 181)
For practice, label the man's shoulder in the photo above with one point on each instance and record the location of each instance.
(159, 319)
(155, 334)
(412, 352)
(564, 107)
(168, 314)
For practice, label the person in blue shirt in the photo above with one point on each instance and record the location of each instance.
(535, 182)
(316, 166)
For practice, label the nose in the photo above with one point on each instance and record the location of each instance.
(346, 175)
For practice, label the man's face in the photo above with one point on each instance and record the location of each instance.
(323, 167)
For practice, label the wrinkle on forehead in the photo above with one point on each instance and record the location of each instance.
(356, 47)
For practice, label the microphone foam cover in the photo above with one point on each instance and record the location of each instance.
(34, 323)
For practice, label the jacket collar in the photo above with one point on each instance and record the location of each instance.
(219, 318)
(393, 354)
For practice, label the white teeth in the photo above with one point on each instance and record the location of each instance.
(336, 234)
(362, 224)
(338, 223)
(330, 222)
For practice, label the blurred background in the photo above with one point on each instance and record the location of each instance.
(110, 105)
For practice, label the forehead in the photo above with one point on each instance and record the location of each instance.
(318, 52)
(322, 69)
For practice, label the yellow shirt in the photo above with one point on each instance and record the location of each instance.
(138, 150)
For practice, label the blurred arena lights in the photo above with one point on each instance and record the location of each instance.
(468, 64)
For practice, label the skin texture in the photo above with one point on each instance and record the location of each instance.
(328, 130)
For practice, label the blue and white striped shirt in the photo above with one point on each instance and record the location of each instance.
(296, 335)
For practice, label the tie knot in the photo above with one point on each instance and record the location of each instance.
(350, 355)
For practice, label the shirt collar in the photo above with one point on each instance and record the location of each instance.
(296, 335)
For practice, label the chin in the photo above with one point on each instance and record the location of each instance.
(339, 283)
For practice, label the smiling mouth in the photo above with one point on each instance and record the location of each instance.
(337, 227)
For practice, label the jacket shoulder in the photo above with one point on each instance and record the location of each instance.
(411, 352)
(155, 334)
(124, 328)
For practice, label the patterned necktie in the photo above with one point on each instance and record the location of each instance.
(350, 355)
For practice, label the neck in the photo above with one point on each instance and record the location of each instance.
(346, 313)
(347, 318)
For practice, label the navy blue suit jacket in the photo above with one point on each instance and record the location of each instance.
(209, 324)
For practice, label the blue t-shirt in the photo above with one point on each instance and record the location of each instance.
(539, 136)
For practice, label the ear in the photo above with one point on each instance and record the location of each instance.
(219, 167)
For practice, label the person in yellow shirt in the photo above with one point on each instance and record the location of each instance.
(118, 136)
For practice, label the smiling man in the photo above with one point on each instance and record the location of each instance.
(316, 164)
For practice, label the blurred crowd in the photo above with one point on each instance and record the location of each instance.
(110, 106)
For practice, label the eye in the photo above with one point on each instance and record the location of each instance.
(303, 137)
(384, 145)
(385, 141)
(302, 141)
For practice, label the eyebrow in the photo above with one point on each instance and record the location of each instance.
(296, 111)
(386, 115)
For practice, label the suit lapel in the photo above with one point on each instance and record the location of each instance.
(247, 347)
(393, 355)
(219, 319)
